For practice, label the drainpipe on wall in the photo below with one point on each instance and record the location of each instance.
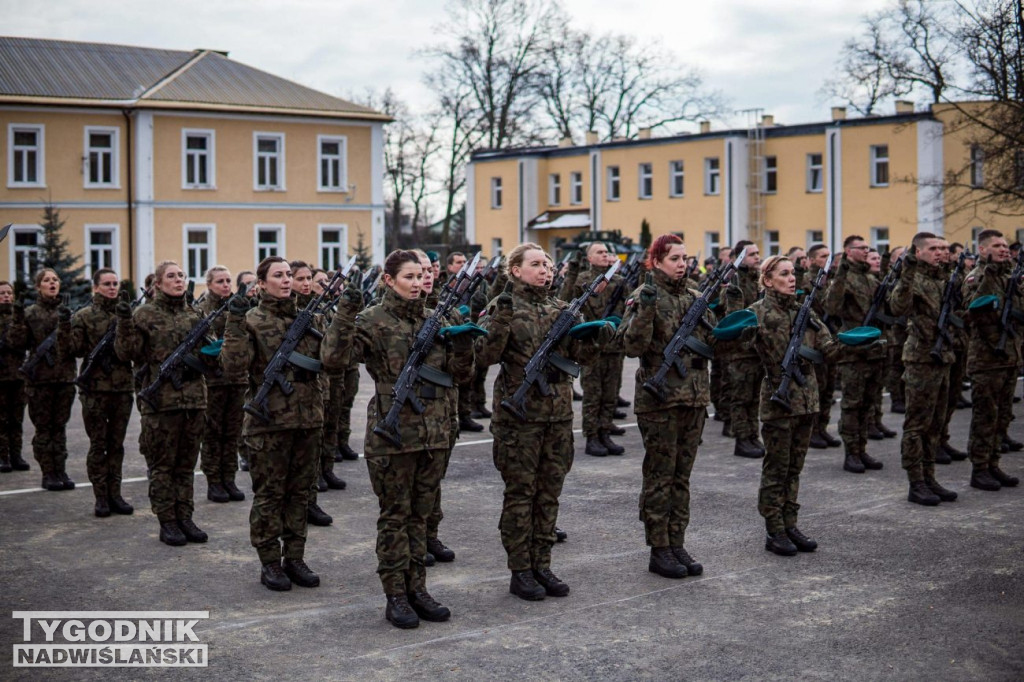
(131, 199)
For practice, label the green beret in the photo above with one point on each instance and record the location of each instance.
(434, 256)
(982, 302)
(588, 330)
(733, 324)
(467, 328)
(859, 335)
(212, 349)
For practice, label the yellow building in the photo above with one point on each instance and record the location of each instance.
(777, 185)
(155, 155)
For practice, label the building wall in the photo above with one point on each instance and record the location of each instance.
(497, 223)
(794, 210)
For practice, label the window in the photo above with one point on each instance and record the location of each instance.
(269, 241)
(712, 176)
(25, 158)
(495, 192)
(645, 173)
(880, 165)
(197, 162)
(975, 231)
(26, 253)
(269, 171)
(101, 157)
(333, 246)
(977, 166)
(675, 178)
(815, 237)
(880, 239)
(496, 246)
(771, 175)
(555, 189)
(613, 183)
(200, 251)
(333, 164)
(771, 242)
(101, 248)
(814, 177)
(576, 188)
(711, 244)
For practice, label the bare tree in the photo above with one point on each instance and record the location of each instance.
(923, 47)
(864, 75)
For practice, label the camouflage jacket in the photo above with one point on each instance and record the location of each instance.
(848, 298)
(918, 295)
(78, 337)
(741, 293)
(985, 329)
(381, 337)
(775, 315)
(512, 342)
(250, 342)
(207, 305)
(40, 320)
(148, 337)
(647, 329)
(593, 309)
(13, 334)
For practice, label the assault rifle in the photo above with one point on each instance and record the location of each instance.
(630, 277)
(370, 284)
(414, 370)
(536, 369)
(561, 270)
(876, 311)
(683, 339)
(1008, 316)
(692, 267)
(100, 354)
(273, 373)
(491, 271)
(44, 351)
(796, 348)
(950, 302)
(475, 279)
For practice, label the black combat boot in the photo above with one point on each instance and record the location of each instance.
(963, 403)
(300, 574)
(215, 492)
(595, 447)
(1004, 479)
(1013, 445)
(942, 457)
(334, 482)
(193, 533)
(317, 516)
(801, 541)
(610, 445)
(870, 462)
(119, 506)
(664, 563)
(428, 608)
(346, 452)
(983, 480)
(439, 550)
(5, 465)
(683, 557)
(898, 406)
(467, 424)
(619, 414)
(170, 534)
(832, 441)
(234, 494)
(243, 463)
(18, 463)
(718, 416)
(65, 481)
(920, 493)
(429, 560)
(885, 430)
(399, 612)
(560, 535)
(779, 543)
(273, 576)
(576, 395)
(525, 586)
(852, 463)
(748, 448)
(622, 402)
(481, 412)
(52, 482)
(616, 430)
(321, 484)
(817, 442)
(953, 453)
(102, 508)
(874, 433)
(944, 494)
(553, 587)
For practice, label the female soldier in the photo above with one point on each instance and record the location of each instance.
(173, 425)
(344, 386)
(284, 451)
(404, 476)
(12, 388)
(51, 390)
(534, 455)
(671, 428)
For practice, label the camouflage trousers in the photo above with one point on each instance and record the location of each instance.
(533, 459)
(405, 486)
(49, 408)
(992, 396)
(861, 384)
(436, 515)
(222, 432)
(785, 444)
(106, 418)
(283, 466)
(744, 395)
(719, 387)
(348, 398)
(478, 394)
(895, 372)
(12, 414)
(600, 389)
(956, 385)
(172, 443)
(671, 437)
(927, 397)
(825, 374)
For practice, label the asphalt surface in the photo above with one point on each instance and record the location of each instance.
(896, 591)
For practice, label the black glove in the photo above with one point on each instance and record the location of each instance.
(63, 314)
(352, 295)
(124, 304)
(238, 304)
(504, 303)
(648, 294)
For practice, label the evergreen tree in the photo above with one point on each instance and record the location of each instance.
(645, 234)
(53, 253)
(362, 253)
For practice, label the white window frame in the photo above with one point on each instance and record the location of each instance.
(257, 244)
(115, 246)
(40, 130)
(341, 244)
(211, 158)
(554, 189)
(875, 163)
(712, 176)
(771, 245)
(575, 188)
(496, 192)
(812, 187)
(614, 178)
(712, 244)
(281, 185)
(14, 250)
(977, 155)
(878, 241)
(342, 158)
(115, 157)
(211, 247)
(676, 171)
(645, 173)
(975, 231)
(770, 171)
(812, 237)
(496, 246)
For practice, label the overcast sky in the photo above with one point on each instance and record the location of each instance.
(772, 55)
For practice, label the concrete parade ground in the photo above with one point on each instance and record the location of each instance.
(895, 591)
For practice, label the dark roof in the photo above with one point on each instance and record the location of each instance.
(95, 73)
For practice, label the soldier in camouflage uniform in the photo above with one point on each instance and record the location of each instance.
(947, 453)
(671, 429)
(477, 303)
(534, 455)
(12, 388)
(993, 372)
(51, 393)
(344, 385)
(106, 393)
(404, 477)
(896, 337)
(719, 373)
(918, 295)
(173, 426)
(825, 373)
(225, 395)
(742, 362)
(877, 430)
(848, 298)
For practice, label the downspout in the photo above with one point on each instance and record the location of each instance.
(131, 199)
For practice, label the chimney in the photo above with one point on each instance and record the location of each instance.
(767, 121)
(643, 134)
(838, 113)
(904, 107)
(705, 126)
(591, 137)
(565, 142)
